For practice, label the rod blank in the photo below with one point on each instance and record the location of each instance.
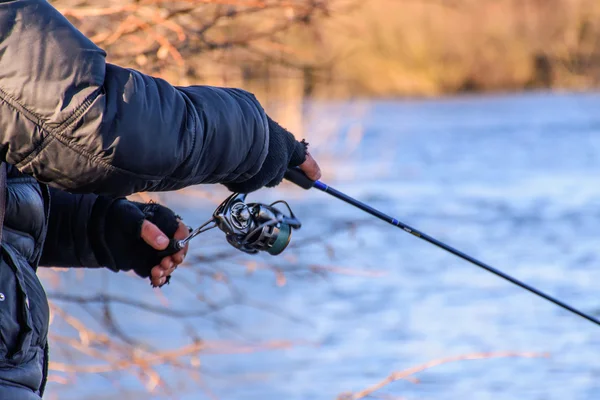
(297, 176)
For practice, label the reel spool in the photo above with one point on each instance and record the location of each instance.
(255, 227)
(250, 227)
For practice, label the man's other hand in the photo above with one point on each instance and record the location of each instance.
(154, 237)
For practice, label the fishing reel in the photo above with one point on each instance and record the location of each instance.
(250, 227)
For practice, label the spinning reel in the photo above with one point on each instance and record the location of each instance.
(249, 227)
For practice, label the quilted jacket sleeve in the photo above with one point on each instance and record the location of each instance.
(78, 123)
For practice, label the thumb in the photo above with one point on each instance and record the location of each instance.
(153, 236)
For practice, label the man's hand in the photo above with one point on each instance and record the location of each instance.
(284, 152)
(311, 168)
(153, 236)
(128, 235)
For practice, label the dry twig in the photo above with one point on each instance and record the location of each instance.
(407, 373)
(155, 34)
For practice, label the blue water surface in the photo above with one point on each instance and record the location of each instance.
(512, 180)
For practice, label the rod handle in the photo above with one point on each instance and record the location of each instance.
(295, 175)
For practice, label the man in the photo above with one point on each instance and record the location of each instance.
(77, 135)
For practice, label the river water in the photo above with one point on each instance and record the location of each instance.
(512, 180)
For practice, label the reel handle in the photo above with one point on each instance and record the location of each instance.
(295, 175)
(173, 247)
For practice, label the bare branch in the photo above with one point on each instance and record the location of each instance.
(395, 376)
(107, 299)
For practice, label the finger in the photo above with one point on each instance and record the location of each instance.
(171, 270)
(154, 236)
(166, 263)
(157, 272)
(156, 275)
(158, 278)
(311, 168)
(179, 256)
(158, 282)
(182, 231)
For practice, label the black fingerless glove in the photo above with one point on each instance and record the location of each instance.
(284, 152)
(115, 233)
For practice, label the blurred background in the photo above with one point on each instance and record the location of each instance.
(475, 121)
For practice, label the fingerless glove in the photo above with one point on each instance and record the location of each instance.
(115, 233)
(284, 152)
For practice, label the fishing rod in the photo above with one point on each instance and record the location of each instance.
(296, 176)
(256, 227)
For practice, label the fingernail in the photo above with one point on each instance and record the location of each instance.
(162, 240)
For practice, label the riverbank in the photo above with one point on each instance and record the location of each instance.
(384, 48)
(349, 48)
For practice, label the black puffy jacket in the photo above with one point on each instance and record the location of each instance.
(46, 227)
(23, 304)
(73, 122)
